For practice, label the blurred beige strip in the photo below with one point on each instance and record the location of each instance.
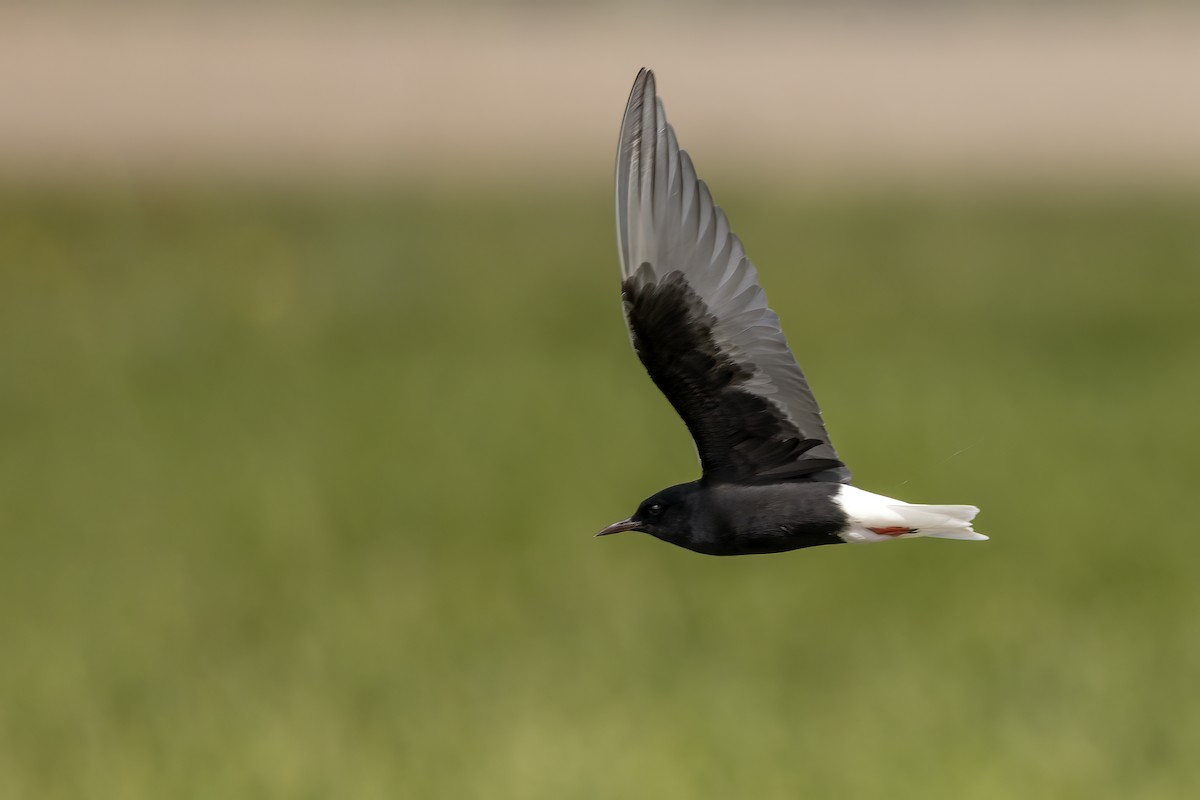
(536, 96)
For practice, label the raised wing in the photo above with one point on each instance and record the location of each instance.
(699, 320)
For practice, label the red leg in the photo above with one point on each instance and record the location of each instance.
(891, 531)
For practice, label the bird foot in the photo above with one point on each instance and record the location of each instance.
(891, 531)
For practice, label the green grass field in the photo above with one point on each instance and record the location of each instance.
(297, 495)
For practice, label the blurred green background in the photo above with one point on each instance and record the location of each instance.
(297, 494)
(298, 482)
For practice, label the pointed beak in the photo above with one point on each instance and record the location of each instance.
(618, 527)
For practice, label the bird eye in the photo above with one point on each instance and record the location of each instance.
(654, 510)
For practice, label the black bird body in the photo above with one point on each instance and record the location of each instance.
(699, 322)
(732, 519)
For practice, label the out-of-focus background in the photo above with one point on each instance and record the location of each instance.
(314, 385)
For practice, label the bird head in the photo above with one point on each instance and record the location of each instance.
(666, 515)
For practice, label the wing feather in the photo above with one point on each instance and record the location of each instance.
(699, 320)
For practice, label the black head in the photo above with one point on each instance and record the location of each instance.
(667, 515)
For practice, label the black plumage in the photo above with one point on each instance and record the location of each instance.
(771, 479)
(730, 519)
(739, 435)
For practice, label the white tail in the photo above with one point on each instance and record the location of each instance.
(875, 518)
(940, 522)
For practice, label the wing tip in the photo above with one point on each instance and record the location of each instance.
(635, 158)
(643, 92)
(644, 87)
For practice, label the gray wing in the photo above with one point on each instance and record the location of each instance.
(699, 320)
